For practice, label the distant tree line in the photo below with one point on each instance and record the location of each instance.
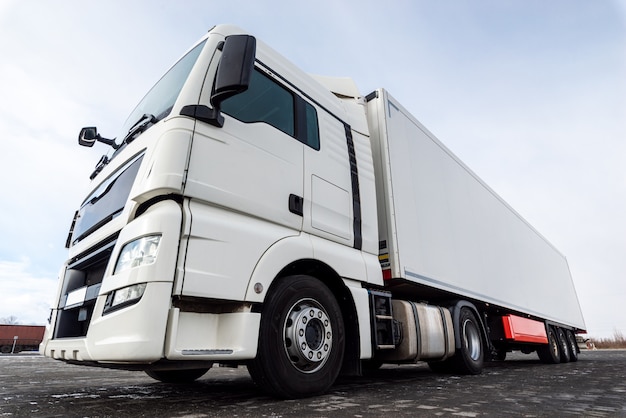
(618, 341)
(9, 320)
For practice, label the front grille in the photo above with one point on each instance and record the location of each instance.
(81, 285)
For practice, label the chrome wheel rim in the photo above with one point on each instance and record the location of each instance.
(307, 335)
(471, 340)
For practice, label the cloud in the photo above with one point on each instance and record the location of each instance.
(530, 95)
(25, 294)
(45, 172)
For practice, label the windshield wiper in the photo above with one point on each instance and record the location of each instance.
(104, 160)
(141, 125)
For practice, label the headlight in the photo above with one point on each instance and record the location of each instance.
(125, 296)
(140, 252)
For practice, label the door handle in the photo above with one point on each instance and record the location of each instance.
(296, 204)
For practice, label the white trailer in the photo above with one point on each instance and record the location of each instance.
(251, 214)
(442, 227)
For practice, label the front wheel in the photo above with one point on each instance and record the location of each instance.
(176, 376)
(301, 339)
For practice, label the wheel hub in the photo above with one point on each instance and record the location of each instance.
(472, 340)
(308, 335)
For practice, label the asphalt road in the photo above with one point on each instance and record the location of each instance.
(595, 386)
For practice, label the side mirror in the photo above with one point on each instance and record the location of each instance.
(87, 136)
(235, 68)
(233, 77)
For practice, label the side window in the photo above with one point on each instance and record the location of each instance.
(264, 101)
(312, 128)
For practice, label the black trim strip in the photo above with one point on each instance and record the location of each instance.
(356, 191)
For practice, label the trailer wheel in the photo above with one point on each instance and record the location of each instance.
(5, 349)
(301, 339)
(573, 346)
(563, 345)
(176, 376)
(470, 356)
(550, 353)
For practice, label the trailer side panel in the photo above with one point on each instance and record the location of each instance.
(443, 227)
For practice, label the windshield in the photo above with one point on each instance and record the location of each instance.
(106, 202)
(160, 99)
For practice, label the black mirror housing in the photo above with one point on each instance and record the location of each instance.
(235, 68)
(88, 136)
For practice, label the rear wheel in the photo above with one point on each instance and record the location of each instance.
(469, 358)
(176, 376)
(563, 345)
(550, 353)
(301, 339)
(446, 366)
(572, 345)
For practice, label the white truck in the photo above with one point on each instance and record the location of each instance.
(251, 214)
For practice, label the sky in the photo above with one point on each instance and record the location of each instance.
(529, 94)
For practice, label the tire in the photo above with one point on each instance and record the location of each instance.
(563, 345)
(572, 345)
(5, 349)
(301, 339)
(371, 365)
(177, 376)
(550, 353)
(500, 354)
(469, 358)
(446, 366)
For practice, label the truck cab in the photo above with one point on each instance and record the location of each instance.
(234, 171)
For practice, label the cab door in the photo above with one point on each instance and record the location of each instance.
(245, 180)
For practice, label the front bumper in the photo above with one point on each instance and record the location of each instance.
(134, 334)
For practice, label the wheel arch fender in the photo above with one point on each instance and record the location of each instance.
(275, 262)
(455, 310)
(294, 256)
